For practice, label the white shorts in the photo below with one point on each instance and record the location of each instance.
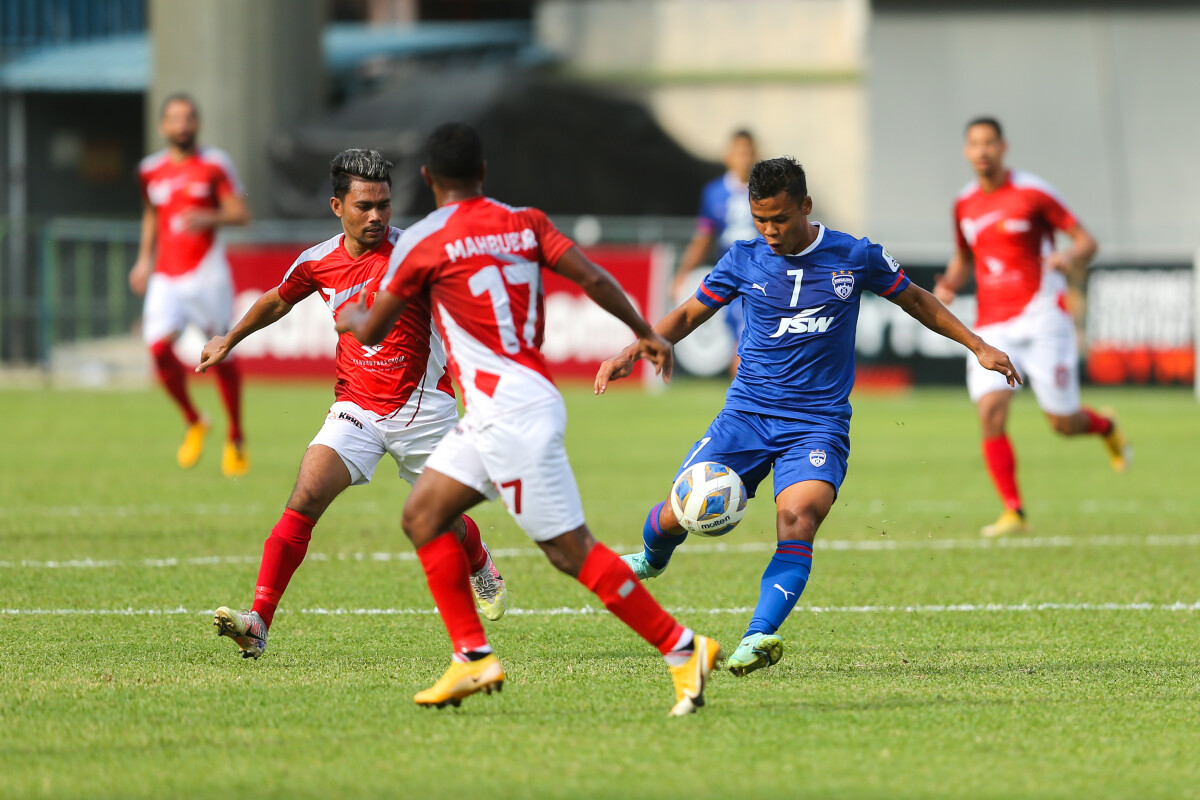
(521, 457)
(202, 297)
(1042, 345)
(361, 437)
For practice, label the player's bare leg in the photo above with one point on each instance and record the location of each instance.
(1001, 463)
(323, 476)
(799, 511)
(1085, 422)
(690, 656)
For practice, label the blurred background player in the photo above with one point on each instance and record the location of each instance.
(724, 218)
(392, 398)
(188, 192)
(788, 408)
(1005, 221)
(481, 262)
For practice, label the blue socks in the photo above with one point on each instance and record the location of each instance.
(782, 583)
(658, 545)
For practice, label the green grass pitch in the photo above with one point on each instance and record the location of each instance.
(919, 663)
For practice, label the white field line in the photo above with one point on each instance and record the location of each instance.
(957, 608)
(699, 548)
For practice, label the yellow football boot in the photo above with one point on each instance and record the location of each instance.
(1120, 453)
(692, 676)
(234, 461)
(1010, 523)
(463, 679)
(193, 443)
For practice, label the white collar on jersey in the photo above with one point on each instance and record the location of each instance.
(815, 243)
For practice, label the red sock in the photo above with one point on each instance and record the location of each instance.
(619, 589)
(1096, 423)
(1002, 464)
(473, 545)
(229, 381)
(173, 377)
(449, 578)
(282, 553)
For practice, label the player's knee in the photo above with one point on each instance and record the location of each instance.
(798, 525)
(1064, 426)
(418, 523)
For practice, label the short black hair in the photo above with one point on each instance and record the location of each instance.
(995, 123)
(742, 133)
(366, 165)
(774, 175)
(178, 97)
(454, 150)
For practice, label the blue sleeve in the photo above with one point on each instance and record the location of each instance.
(720, 287)
(884, 276)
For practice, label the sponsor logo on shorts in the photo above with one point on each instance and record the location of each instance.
(817, 458)
(350, 419)
(843, 283)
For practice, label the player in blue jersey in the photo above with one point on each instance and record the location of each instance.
(724, 219)
(788, 407)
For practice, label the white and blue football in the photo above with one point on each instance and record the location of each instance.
(709, 499)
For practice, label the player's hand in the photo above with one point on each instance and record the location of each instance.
(1058, 260)
(657, 351)
(615, 368)
(998, 361)
(214, 352)
(943, 292)
(196, 219)
(139, 276)
(351, 317)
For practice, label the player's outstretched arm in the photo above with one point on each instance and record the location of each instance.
(676, 325)
(929, 311)
(266, 310)
(371, 325)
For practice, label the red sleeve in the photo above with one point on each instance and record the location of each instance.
(224, 183)
(554, 243)
(413, 272)
(1057, 214)
(959, 239)
(297, 283)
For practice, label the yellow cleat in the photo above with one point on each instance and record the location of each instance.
(1010, 523)
(193, 443)
(691, 677)
(463, 679)
(234, 461)
(1120, 453)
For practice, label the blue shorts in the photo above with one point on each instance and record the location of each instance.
(754, 444)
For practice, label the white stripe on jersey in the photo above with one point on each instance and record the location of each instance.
(152, 161)
(319, 251)
(1027, 180)
(219, 157)
(412, 237)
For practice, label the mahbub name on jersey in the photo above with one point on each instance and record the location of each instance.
(492, 244)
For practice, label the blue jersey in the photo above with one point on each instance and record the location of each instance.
(725, 212)
(797, 350)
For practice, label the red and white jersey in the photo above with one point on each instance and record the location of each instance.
(481, 262)
(1009, 231)
(382, 377)
(172, 187)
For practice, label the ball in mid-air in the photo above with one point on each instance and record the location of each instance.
(708, 499)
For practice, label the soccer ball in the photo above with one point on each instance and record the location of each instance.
(709, 499)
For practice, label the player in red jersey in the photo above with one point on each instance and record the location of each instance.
(481, 262)
(1005, 222)
(188, 193)
(391, 398)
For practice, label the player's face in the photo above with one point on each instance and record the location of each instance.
(365, 212)
(782, 221)
(180, 124)
(984, 150)
(741, 157)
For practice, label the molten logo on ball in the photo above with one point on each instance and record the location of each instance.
(708, 499)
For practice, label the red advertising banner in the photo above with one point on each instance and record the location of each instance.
(579, 334)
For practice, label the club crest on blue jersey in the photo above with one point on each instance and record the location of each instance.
(843, 283)
(817, 457)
